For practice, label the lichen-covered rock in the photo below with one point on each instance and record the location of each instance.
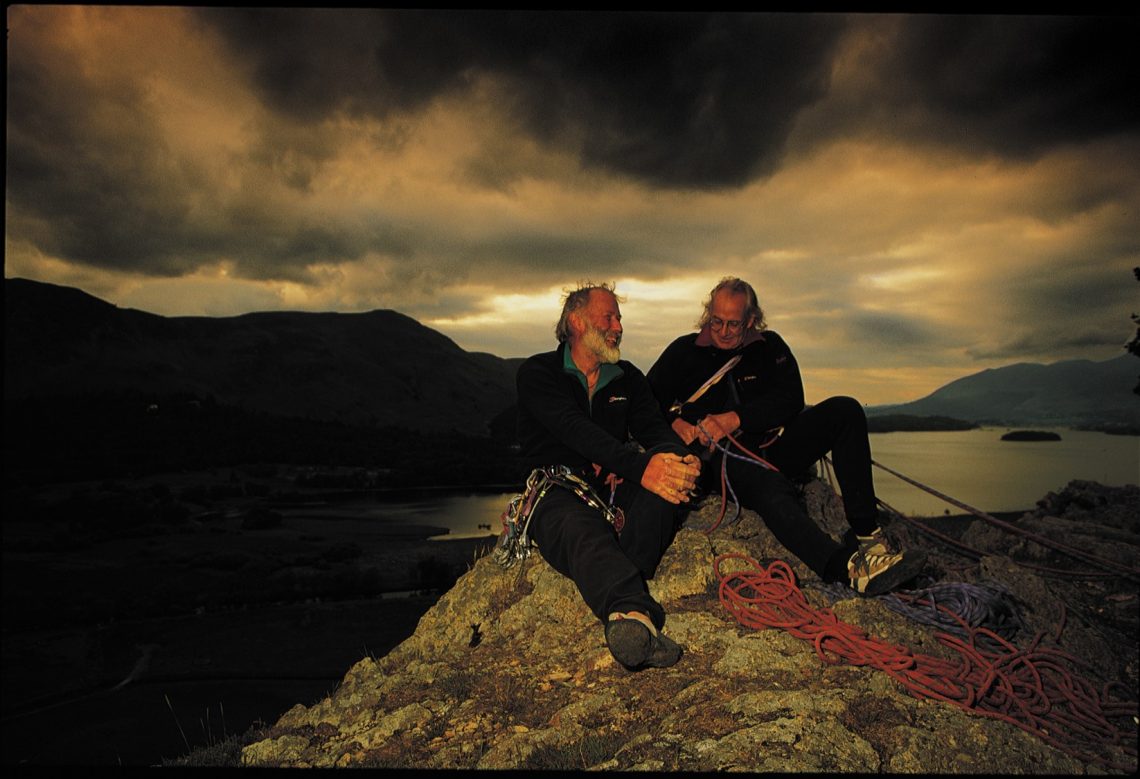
(509, 670)
(283, 750)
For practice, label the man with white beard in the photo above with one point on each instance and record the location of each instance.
(609, 474)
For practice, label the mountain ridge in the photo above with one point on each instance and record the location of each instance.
(383, 368)
(1067, 393)
(379, 367)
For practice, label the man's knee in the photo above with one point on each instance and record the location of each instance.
(846, 408)
(650, 510)
(762, 489)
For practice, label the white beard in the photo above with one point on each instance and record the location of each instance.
(595, 340)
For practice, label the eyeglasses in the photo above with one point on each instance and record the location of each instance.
(731, 326)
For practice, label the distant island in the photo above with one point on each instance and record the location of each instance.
(1031, 435)
(912, 423)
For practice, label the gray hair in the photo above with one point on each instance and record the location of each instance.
(576, 300)
(736, 287)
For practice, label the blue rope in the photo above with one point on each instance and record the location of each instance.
(990, 606)
(724, 470)
(732, 492)
(743, 457)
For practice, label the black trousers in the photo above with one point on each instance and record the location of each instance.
(837, 425)
(609, 570)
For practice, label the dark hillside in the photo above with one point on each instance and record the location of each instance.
(378, 368)
(1072, 393)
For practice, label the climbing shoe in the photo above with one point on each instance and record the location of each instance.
(876, 544)
(636, 645)
(871, 572)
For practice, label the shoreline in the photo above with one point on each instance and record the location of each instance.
(201, 593)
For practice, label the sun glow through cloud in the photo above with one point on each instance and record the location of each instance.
(906, 221)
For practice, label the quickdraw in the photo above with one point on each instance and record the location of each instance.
(514, 542)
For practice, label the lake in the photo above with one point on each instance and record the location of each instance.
(455, 513)
(974, 466)
(978, 468)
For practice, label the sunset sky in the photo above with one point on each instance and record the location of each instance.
(916, 198)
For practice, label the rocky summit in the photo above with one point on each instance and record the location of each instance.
(509, 670)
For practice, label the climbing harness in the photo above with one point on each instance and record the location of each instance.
(514, 542)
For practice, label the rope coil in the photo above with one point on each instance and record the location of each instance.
(1031, 688)
(958, 607)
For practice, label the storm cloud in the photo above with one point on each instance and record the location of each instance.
(915, 190)
(670, 99)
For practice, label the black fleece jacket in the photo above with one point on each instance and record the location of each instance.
(764, 388)
(559, 425)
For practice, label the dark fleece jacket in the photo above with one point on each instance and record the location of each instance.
(764, 388)
(559, 425)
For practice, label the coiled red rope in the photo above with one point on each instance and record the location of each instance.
(1031, 688)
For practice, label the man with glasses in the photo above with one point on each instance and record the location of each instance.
(735, 386)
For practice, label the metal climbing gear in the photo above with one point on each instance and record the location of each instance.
(514, 542)
(701, 390)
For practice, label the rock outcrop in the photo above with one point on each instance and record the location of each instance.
(509, 670)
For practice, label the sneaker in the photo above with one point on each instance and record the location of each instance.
(872, 573)
(635, 646)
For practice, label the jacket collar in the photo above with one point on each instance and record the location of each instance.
(609, 371)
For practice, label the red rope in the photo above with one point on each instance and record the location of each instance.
(723, 500)
(752, 454)
(724, 473)
(1031, 688)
